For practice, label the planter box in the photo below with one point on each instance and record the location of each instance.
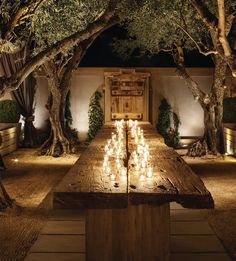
(9, 133)
(229, 131)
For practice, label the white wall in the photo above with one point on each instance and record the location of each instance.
(164, 83)
(83, 86)
(169, 86)
(41, 97)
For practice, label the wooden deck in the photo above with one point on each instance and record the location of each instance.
(191, 237)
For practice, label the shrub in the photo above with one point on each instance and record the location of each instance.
(72, 133)
(163, 123)
(9, 111)
(96, 116)
(168, 124)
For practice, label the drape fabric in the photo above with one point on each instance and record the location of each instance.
(24, 95)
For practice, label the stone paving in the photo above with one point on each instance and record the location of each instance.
(63, 238)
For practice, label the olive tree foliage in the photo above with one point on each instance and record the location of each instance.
(15, 23)
(49, 30)
(158, 25)
(56, 20)
(180, 26)
(64, 40)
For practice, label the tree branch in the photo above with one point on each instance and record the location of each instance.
(221, 28)
(229, 56)
(195, 42)
(207, 17)
(24, 10)
(80, 51)
(15, 80)
(198, 94)
(229, 22)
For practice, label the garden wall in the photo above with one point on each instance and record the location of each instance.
(164, 84)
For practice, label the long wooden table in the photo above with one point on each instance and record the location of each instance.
(128, 219)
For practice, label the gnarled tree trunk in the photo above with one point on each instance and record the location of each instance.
(60, 141)
(218, 91)
(57, 142)
(212, 103)
(210, 132)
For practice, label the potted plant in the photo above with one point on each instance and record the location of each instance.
(10, 128)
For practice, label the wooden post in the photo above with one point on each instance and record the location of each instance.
(136, 233)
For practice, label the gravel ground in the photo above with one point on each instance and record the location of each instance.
(219, 177)
(28, 179)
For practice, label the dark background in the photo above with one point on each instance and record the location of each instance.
(100, 55)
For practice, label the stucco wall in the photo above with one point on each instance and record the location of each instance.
(164, 84)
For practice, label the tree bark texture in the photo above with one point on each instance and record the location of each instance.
(218, 96)
(59, 86)
(57, 142)
(211, 103)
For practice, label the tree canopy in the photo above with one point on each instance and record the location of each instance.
(157, 25)
(56, 20)
(96, 21)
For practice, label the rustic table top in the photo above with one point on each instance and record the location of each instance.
(87, 186)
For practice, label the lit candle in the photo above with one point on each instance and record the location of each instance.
(118, 153)
(118, 166)
(117, 160)
(123, 172)
(143, 163)
(105, 163)
(142, 141)
(106, 158)
(110, 152)
(135, 157)
(108, 170)
(106, 148)
(149, 172)
(142, 177)
(112, 177)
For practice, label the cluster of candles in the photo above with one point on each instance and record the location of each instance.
(114, 153)
(113, 163)
(141, 156)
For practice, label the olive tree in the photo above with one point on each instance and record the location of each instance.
(15, 20)
(176, 27)
(63, 19)
(21, 25)
(34, 61)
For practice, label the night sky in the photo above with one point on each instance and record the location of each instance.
(100, 55)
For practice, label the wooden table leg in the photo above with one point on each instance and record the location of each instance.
(135, 233)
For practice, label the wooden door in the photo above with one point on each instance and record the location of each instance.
(127, 98)
(126, 95)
